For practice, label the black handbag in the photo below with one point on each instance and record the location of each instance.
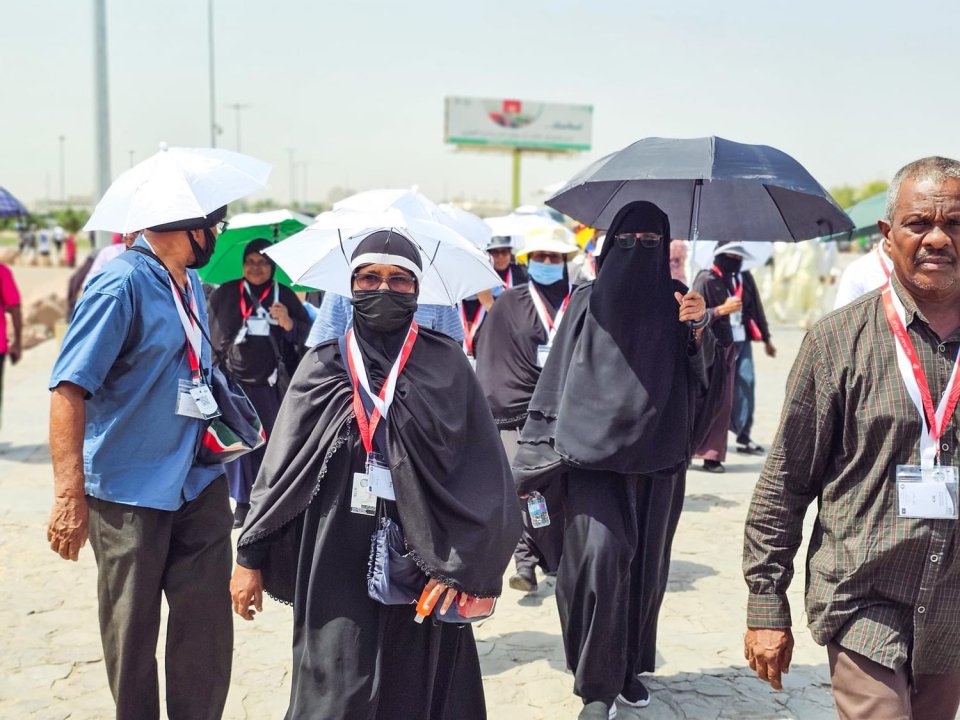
(393, 576)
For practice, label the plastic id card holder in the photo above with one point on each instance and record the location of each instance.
(543, 351)
(196, 401)
(379, 479)
(362, 501)
(927, 492)
(257, 326)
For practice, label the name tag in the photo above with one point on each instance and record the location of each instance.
(362, 501)
(257, 326)
(379, 479)
(196, 401)
(929, 493)
(543, 351)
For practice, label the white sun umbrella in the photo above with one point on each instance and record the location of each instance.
(701, 254)
(467, 224)
(517, 225)
(176, 184)
(319, 257)
(268, 217)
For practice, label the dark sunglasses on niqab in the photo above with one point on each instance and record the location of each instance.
(627, 240)
(397, 283)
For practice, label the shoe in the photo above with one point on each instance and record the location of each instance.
(598, 710)
(635, 694)
(523, 583)
(712, 466)
(749, 448)
(240, 515)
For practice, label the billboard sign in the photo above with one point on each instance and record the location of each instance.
(517, 124)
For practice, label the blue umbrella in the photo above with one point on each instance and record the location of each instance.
(9, 205)
(710, 188)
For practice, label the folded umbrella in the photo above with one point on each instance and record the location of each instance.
(176, 184)
(319, 257)
(711, 189)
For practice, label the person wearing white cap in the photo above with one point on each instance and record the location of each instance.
(722, 289)
(517, 336)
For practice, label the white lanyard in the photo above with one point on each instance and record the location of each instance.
(551, 326)
(385, 399)
(909, 372)
(190, 328)
(276, 294)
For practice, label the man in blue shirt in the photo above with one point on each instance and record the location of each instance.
(123, 438)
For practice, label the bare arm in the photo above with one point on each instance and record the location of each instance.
(17, 317)
(69, 519)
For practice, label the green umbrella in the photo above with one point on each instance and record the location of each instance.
(274, 225)
(866, 213)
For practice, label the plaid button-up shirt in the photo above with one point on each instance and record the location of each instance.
(877, 584)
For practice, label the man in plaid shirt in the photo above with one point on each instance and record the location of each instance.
(870, 430)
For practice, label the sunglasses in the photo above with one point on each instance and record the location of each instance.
(628, 240)
(397, 283)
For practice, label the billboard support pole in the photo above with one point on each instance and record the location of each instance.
(515, 197)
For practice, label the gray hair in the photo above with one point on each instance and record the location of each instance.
(934, 168)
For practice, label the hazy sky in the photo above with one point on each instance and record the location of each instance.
(853, 90)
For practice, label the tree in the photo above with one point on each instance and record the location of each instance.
(847, 195)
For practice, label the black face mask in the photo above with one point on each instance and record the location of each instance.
(201, 256)
(728, 263)
(384, 310)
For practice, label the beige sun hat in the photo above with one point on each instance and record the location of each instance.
(548, 239)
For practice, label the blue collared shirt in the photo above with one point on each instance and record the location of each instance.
(335, 317)
(126, 347)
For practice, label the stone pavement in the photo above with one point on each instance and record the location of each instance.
(52, 666)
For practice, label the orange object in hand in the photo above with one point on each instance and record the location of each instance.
(428, 599)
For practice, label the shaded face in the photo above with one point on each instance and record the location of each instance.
(923, 238)
(501, 258)
(384, 277)
(547, 258)
(256, 269)
(207, 237)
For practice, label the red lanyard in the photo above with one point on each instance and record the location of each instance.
(381, 403)
(549, 324)
(247, 310)
(936, 419)
(738, 288)
(508, 280)
(190, 329)
(883, 263)
(470, 328)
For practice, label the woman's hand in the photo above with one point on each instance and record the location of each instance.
(279, 312)
(692, 306)
(246, 591)
(468, 605)
(730, 306)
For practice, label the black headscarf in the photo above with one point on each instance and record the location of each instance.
(258, 245)
(616, 393)
(380, 347)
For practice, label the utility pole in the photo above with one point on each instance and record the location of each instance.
(102, 105)
(213, 93)
(130, 153)
(63, 196)
(237, 107)
(293, 179)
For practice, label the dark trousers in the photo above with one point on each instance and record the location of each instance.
(744, 390)
(184, 555)
(613, 573)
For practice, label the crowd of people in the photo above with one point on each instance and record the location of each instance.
(413, 449)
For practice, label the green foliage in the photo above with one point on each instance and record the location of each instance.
(847, 195)
(71, 219)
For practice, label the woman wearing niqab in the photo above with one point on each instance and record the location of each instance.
(612, 418)
(308, 542)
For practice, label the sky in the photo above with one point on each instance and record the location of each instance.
(354, 92)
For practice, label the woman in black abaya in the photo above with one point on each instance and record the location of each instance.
(613, 411)
(307, 541)
(256, 326)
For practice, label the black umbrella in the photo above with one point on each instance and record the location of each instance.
(9, 205)
(711, 188)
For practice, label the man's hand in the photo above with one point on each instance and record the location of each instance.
(769, 653)
(69, 526)
(246, 591)
(279, 312)
(770, 349)
(730, 306)
(692, 306)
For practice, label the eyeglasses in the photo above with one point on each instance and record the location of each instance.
(628, 240)
(253, 262)
(222, 225)
(397, 283)
(499, 251)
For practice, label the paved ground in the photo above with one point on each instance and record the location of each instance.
(52, 668)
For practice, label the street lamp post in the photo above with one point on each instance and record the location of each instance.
(237, 107)
(63, 196)
(293, 181)
(102, 105)
(213, 107)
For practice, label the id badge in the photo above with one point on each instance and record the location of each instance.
(241, 336)
(186, 405)
(473, 362)
(927, 492)
(205, 402)
(379, 479)
(362, 501)
(543, 351)
(257, 326)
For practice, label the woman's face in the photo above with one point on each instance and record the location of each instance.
(256, 269)
(384, 277)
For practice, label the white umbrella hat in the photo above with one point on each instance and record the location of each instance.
(177, 184)
(319, 257)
